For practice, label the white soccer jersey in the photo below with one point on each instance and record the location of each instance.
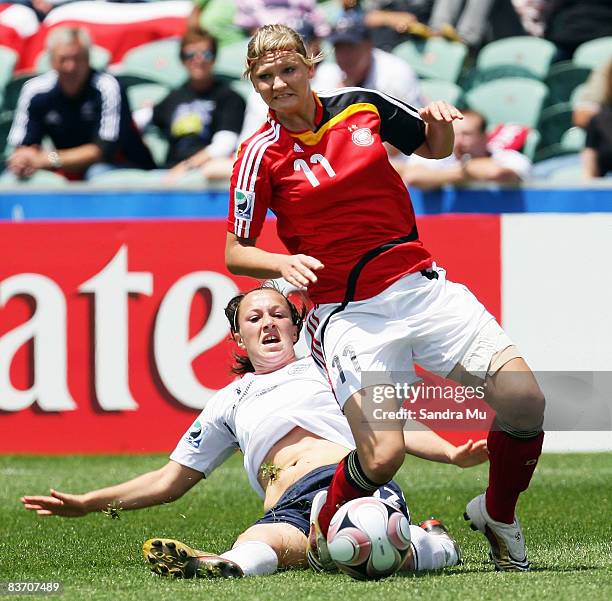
(253, 413)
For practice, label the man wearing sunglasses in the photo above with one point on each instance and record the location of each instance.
(203, 117)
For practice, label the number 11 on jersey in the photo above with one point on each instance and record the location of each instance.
(302, 165)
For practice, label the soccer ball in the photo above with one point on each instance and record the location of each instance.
(368, 538)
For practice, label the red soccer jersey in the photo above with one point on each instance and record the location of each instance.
(334, 192)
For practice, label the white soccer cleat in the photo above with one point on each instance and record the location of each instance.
(506, 540)
(317, 552)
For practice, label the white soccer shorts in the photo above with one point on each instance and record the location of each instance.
(435, 323)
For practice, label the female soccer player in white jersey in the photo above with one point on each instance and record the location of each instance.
(381, 304)
(285, 420)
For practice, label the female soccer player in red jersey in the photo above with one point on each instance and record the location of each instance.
(381, 304)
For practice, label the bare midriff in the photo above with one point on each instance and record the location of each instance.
(291, 458)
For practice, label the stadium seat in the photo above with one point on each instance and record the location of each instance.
(41, 178)
(13, 89)
(563, 78)
(572, 143)
(230, 60)
(146, 94)
(243, 87)
(156, 62)
(573, 139)
(8, 59)
(6, 120)
(509, 100)
(437, 89)
(575, 96)
(554, 121)
(331, 9)
(437, 58)
(531, 144)
(593, 53)
(98, 57)
(118, 178)
(157, 144)
(526, 52)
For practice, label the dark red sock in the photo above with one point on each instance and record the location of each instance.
(512, 462)
(344, 487)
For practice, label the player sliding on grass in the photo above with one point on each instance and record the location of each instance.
(381, 304)
(284, 418)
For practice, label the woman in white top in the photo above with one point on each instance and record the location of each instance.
(283, 417)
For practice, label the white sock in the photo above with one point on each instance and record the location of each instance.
(254, 558)
(431, 551)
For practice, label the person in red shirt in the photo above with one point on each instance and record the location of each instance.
(380, 302)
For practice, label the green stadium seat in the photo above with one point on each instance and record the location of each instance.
(156, 62)
(13, 89)
(6, 120)
(525, 52)
(572, 142)
(243, 86)
(157, 144)
(146, 94)
(531, 144)
(437, 89)
(575, 96)
(593, 53)
(230, 60)
(41, 178)
(118, 178)
(563, 78)
(573, 139)
(8, 59)
(98, 57)
(436, 58)
(554, 122)
(331, 9)
(509, 100)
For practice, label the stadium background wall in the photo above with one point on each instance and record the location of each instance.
(111, 330)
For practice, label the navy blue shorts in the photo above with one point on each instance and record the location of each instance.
(294, 505)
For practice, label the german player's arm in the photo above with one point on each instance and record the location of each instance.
(164, 485)
(438, 117)
(242, 257)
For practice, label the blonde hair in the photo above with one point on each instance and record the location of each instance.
(276, 38)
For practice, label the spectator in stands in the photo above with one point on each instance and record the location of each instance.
(597, 154)
(461, 20)
(84, 113)
(394, 21)
(358, 63)
(593, 95)
(472, 160)
(573, 22)
(203, 117)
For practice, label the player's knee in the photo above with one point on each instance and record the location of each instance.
(525, 411)
(383, 463)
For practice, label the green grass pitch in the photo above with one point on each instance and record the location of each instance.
(566, 515)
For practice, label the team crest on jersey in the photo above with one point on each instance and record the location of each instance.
(362, 137)
(243, 204)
